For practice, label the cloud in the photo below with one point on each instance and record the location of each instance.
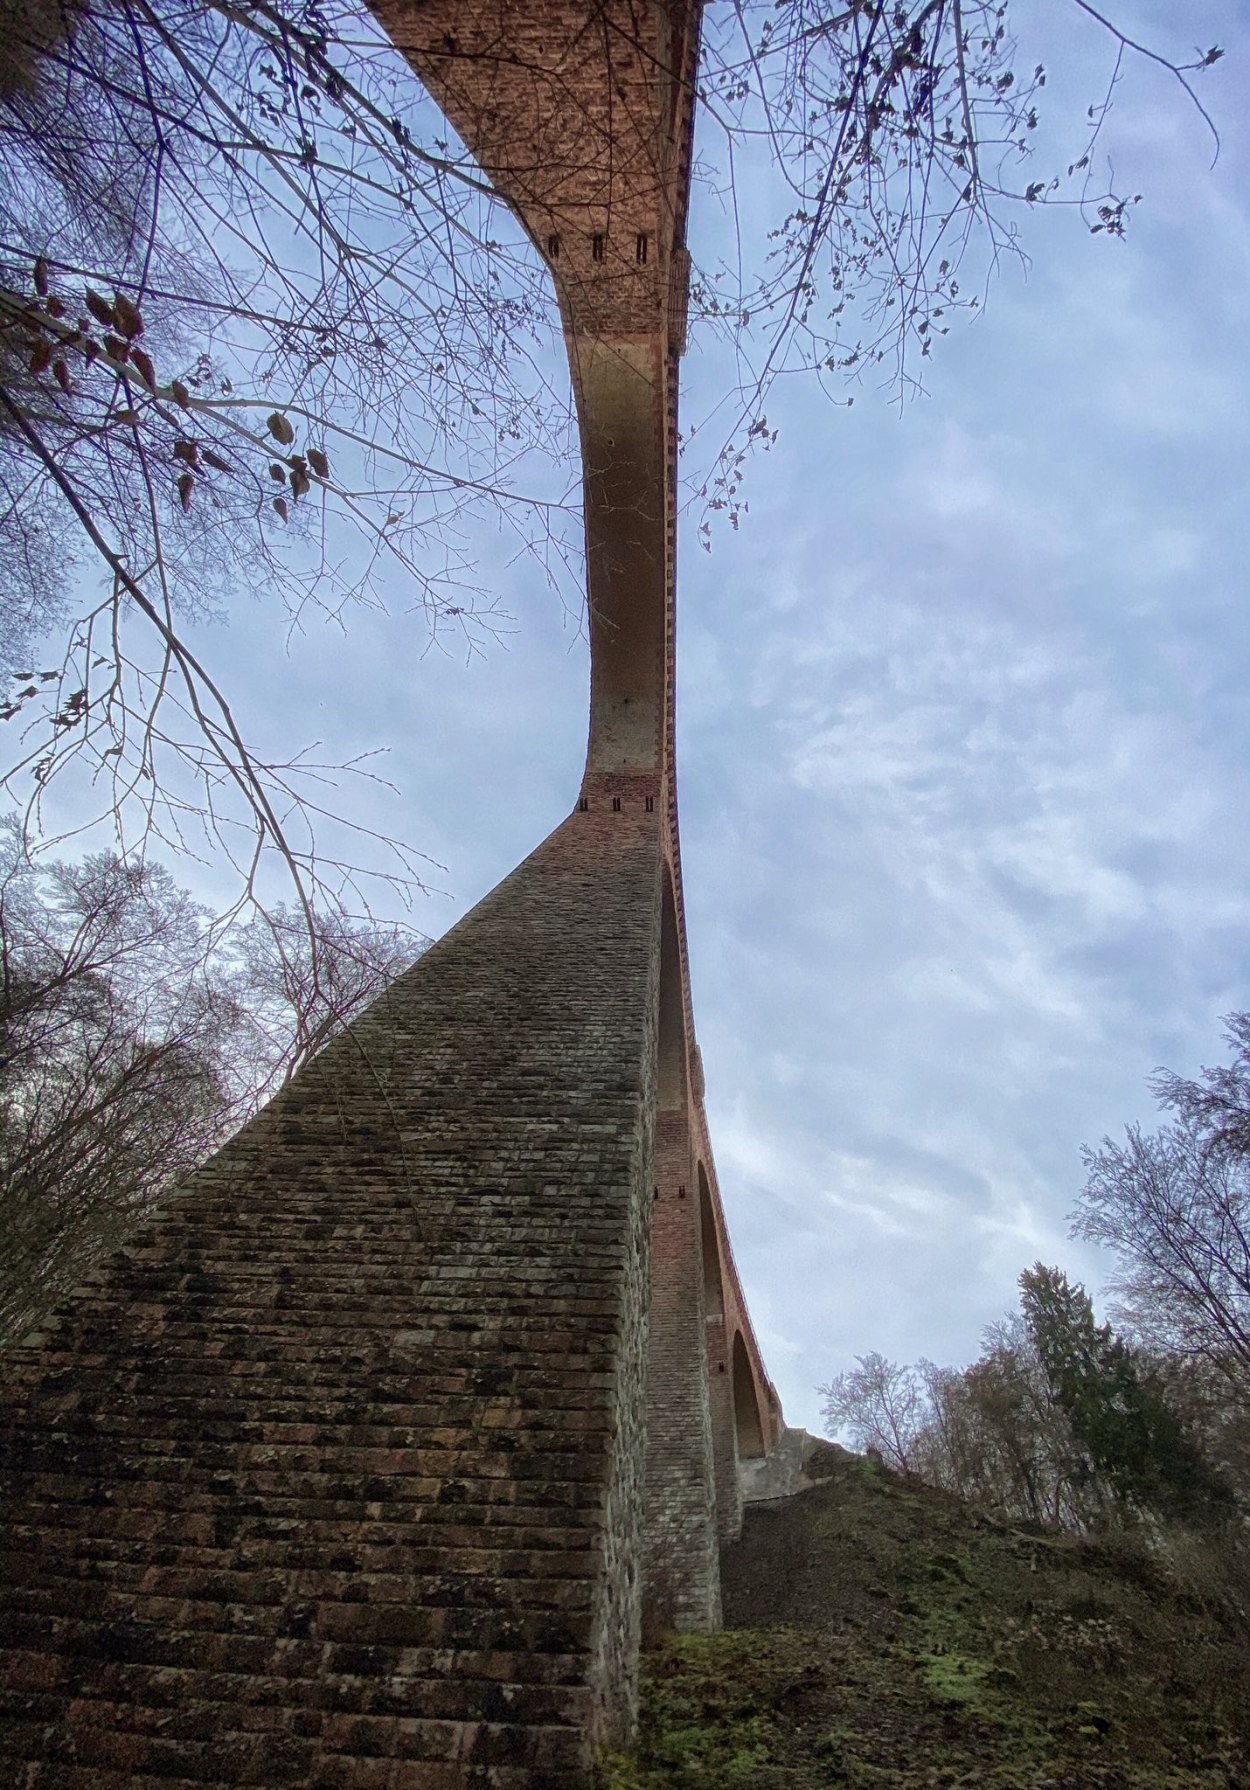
(964, 736)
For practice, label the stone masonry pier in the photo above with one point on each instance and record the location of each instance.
(365, 1463)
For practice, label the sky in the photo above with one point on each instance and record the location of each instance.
(964, 745)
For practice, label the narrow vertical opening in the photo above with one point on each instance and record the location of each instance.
(750, 1430)
(713, 1285)
(640, 247)
(596, 246)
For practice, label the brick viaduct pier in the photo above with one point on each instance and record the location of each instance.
(363, 1464)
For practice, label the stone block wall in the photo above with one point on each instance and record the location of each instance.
(346, 1473)
(711, 1411)
(333, 1477)
(682, 1582)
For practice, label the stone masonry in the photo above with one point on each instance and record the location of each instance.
(365, 1463)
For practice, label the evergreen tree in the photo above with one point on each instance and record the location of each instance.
(1134, 1448)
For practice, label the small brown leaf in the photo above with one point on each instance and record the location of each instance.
(215, 461)
(61, 372)
(129, 322)
(300, 481)
(280, 428)
(319, 463)
(55, 307)
(279, 504)
(41, 357)
(100, 309)
(90, 349)
(179, 393)
(125, 416)
(186, 484)
(277, 471)
(41, 277)
(187, 451)
(117, 348)
(142, 363)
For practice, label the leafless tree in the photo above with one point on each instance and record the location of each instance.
(297, 989)
(261, 326)
(994, 1436)
(264, 325)
(1218, 1101)
(879, 1404)
(1176, 1214)
(134, 1035)
(900, 138)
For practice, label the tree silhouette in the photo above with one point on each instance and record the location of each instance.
(264, 325)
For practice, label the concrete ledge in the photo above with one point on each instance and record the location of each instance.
(796, 1461)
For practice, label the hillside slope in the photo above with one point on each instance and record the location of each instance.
(881, 1635)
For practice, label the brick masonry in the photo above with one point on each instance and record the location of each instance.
(333, 1477)
(363, 1464)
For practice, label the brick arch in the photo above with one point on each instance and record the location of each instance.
(713, 1279)
(749, 1424)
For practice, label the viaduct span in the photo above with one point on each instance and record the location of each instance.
(363, 1464)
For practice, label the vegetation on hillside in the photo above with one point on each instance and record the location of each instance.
(1039, 1576)
(1079, 1424)
(883, 1635)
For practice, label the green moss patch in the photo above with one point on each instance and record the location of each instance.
(912, 1644)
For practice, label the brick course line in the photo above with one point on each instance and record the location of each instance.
(362, 1463)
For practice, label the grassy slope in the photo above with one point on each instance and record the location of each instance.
(882, 1636)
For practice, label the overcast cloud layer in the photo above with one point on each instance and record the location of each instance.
(964, 736)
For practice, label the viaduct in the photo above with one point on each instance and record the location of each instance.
(364, 1464)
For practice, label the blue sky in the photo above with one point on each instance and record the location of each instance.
(963, 731)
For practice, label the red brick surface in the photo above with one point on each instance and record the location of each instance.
(349, 1470)
(337, 1468)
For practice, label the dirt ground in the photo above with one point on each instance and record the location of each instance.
(880, 1635)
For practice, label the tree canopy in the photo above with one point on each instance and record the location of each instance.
(1174, 1209)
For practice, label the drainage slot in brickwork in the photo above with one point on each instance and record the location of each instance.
(582, 805)
(616, 804)
(650, 804)
(640, 248)
(553, 246)
(596, 247)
